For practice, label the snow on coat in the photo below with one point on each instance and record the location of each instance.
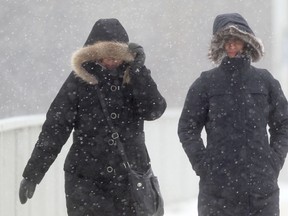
(76, 108)
(240, 164)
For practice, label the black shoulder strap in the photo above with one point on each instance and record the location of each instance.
(115, 134)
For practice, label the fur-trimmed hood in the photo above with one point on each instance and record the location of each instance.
(96, 52)
(107, 39)
(227, 25)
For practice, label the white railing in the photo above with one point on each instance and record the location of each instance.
(18, 136)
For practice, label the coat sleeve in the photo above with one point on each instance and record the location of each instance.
(56, 129)
(149, 103)
(192, 121)
(278, 121)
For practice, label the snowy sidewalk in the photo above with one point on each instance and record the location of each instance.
(186, 208)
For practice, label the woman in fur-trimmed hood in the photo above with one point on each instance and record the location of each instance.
(234, 25)
(235, 102)
(95, 176)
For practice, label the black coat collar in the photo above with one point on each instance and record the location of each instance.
(240, 63)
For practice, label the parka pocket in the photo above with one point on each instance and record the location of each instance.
(202, 167)
(275, 161)
(271, 159)
(257, 97)
(221, 104)
(218, 94)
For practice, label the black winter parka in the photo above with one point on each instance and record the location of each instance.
(236, 103)
(239, 166)
(94, 151)
(77, 108)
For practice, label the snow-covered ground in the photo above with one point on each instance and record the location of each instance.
(189, 207)
(186, 208)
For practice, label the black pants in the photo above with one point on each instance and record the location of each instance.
(250, 204)
(87, 197)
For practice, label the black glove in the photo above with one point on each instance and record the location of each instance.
(26, 190)
(139, 59)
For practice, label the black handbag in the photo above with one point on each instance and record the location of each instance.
(145, 191)
(143, 187)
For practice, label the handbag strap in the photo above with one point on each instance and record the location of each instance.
(115, 134)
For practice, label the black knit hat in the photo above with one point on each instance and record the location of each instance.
(235, 19)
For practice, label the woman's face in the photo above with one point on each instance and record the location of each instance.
(233, 46)
(111, 63)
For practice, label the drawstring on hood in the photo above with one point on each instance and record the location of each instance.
(233, 24)
(107, 39)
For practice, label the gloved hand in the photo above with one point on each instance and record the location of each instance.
(140, 56)
(26, 190)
